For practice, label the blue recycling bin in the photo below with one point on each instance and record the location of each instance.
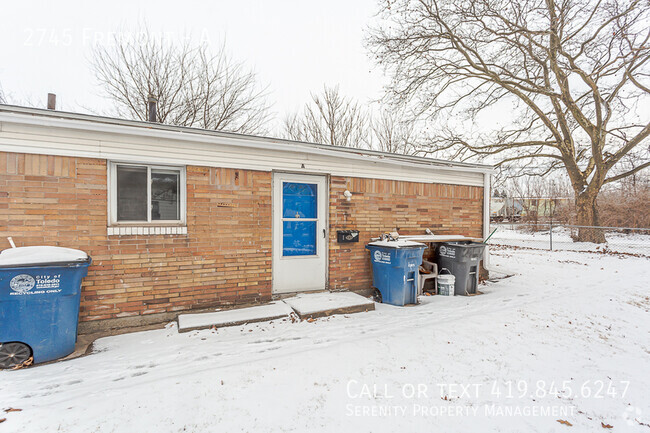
(40, 289)
(395, 270)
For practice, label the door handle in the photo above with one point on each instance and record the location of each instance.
(324, 234)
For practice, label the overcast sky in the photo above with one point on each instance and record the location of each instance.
(294, 46)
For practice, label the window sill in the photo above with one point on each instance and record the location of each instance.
(146, 230)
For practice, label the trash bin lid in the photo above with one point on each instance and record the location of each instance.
(40, 255)
(399, 243)
(465, 244)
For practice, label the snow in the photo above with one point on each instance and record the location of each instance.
(437, 238)
(306, 303)
(399, 243)
(564, 322)
(240, 316)
(311, 303)
(39, 255)
(631, 243)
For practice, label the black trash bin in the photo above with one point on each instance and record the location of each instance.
(462, 259)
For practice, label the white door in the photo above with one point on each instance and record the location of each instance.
(299, 232)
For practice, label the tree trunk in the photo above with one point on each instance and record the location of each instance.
(587, 215)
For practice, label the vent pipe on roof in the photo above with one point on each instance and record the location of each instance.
(151, 109)
(51, 101)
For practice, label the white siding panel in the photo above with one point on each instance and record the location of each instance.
(50, 140)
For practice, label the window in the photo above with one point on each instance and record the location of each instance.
(147, 194)
(299, 218)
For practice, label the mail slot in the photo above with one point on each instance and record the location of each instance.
(347, 236)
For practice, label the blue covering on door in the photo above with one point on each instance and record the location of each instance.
(299, 238)
(299, 200)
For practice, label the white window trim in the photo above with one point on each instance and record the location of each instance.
(148, 227)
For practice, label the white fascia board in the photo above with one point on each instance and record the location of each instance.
(244, 142)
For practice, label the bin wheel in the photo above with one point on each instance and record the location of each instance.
(14, 353)
(376, 296)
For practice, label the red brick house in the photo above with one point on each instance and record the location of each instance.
(181, 218)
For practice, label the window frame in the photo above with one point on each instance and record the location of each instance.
(112, 195)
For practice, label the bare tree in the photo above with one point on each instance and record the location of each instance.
(330, 119)
(539, 197)
(395, 132)
(3, 99)
(193, 87)
(565, 80)
(627, 204)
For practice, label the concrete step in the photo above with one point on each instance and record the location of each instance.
(306, 305)
(311, 305)
(240, 316)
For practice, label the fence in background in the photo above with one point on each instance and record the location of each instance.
(560, 237)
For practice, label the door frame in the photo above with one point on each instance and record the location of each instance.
(326, 222)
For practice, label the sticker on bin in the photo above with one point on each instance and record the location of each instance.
(381, 257)
(447, 252)
(23, 284)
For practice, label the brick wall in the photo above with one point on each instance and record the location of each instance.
(379, 206)
(224, 258)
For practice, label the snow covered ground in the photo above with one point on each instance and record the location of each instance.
(566, 338)
(636, 242)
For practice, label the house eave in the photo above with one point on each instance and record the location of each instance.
(60, 119)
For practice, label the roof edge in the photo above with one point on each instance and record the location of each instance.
(244, 139)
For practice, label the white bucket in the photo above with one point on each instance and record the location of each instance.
(446, 283)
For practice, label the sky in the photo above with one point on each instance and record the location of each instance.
(295, 47)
